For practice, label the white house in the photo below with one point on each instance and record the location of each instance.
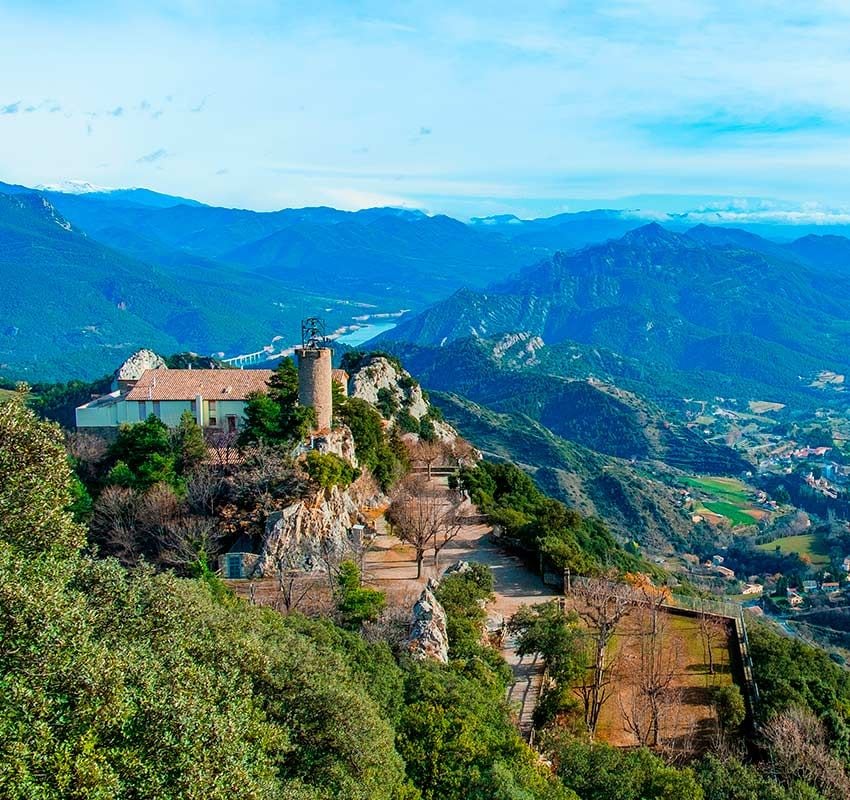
(215, 397)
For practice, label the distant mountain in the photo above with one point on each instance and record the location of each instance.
(395, 257)
(668, 300)
(563, 231)
(72, 307)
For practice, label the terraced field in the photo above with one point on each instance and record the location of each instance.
(722, 499)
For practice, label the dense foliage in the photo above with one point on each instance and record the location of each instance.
(136, 684)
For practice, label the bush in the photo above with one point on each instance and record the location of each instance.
(329, 470)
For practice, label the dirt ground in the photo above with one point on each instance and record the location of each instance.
(689, 718)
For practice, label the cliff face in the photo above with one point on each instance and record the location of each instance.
(383, 383)
(308, 535)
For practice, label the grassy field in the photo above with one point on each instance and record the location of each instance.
(726, 498)
(806, 545)
(692, 683)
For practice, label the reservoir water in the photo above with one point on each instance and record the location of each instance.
(366, 333)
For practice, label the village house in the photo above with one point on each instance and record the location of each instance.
(752, 589)
(810, 586)
(216, 398)
(794, 597)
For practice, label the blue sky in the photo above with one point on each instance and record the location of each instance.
(465, 108)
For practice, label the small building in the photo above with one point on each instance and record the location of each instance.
(845, 565)
(827, 587)
(216, 398)
(794, 598)
(239, 560)
(752, 589)
(727, 573)
(810, 586)
(717, 560)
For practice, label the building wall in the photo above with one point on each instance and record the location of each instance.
(314, 383)
(112, 415)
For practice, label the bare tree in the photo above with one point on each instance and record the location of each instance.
(114, 526)
(449, 522)
(601, 605)
(426, 454)
(89, 455)
(204, 490)
(222, 447)
(424, 517)
(657, 661)
(713, 631)
(189, 540)
(800, 747)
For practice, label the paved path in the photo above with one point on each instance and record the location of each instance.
(390, 564)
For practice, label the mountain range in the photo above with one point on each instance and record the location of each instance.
(710, 306)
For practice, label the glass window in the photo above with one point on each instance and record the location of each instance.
(156, 409)
(141, 410)
(213, 414)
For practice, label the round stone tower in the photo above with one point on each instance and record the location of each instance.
(315, 368)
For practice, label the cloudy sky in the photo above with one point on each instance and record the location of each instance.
(461, 107)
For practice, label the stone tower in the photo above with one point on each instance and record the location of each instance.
(315, 370)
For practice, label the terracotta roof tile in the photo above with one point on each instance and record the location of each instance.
(211, 384)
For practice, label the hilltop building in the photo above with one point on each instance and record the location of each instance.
(215, 397)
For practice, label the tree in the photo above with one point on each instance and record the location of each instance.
(146, 454)
(424, 517)
(427, 454)
(356, 604)
(276, 417)
(35, 483)
(730, 707)
(800, 748)
(713, 631)
(329, 470)
(601, 605)
(652, 676)
(189, 444)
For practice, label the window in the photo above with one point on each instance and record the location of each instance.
(193, 405)
(213, 414)
(141, 410)
(231, 423)
(156, 409)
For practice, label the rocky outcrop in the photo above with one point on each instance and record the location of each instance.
(428, 638)
(339, 441)
(131, 370)
(379, 380)
(308, 535)
(518, 349)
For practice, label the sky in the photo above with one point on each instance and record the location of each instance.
(466, 108)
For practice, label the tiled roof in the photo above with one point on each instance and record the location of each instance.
(340, 375)
(187, 384)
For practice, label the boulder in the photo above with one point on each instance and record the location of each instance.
(307, 535)
(428, 638)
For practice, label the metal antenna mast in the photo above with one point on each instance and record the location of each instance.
(313, 333)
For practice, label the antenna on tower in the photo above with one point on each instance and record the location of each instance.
(313, 333)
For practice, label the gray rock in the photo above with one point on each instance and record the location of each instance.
(428, 638)
(307, 535)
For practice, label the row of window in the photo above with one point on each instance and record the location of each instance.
(212, 415)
